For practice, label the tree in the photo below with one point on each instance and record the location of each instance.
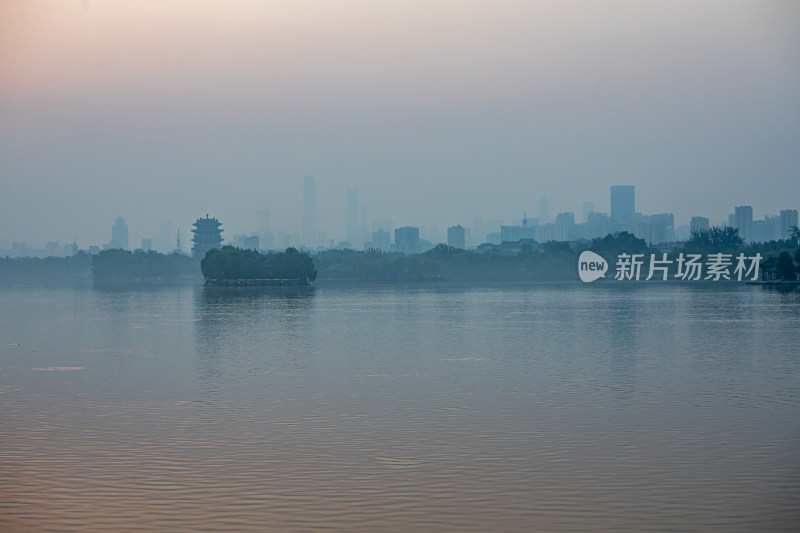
(785, 267)
(794, 234)
(714, 239)
(230, 262)
(118, 264)
(292, 264)
(620, 242)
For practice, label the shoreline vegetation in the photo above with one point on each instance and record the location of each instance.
(523, 262)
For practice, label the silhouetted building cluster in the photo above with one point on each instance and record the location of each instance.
(656, 229)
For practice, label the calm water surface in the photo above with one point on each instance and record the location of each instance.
(518, 408)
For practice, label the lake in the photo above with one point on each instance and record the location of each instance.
(555, 407)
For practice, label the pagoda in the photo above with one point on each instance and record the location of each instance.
(207, 235)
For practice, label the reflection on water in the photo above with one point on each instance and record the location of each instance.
(390, 408)
(259, 327)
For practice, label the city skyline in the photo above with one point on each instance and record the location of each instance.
(654, 228)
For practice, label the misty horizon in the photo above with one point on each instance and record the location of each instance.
(165, 238)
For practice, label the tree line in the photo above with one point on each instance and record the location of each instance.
(123, 265)
(230, 263)
(549, 261)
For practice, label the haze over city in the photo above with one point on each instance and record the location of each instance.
(438, 114)
(399, 265)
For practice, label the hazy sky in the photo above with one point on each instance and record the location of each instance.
(438, 112)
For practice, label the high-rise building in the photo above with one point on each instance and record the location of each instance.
(544, 211)
(119, 234)
(262, 217)
(516, 233)
(266, 238)
(743, 221)
(698, 224)
(661, 228)
(353, 227)
(788, 219)
(309, 211)
(588, 207)
(478, 231)
(247, 242)
(564, 227)
(596, 225)
(163, 239)
(363, 227)
(207, 235)
(456, 237)
(767, 229)
(381, 240)
(406, 240)
(623, 203)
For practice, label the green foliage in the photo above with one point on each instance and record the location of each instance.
(785, 266)
(375, 265)
(230, 262)
(555, 261)
(620, 242)
(123, 265)
(714, 239)
(556, 247)
(794, 234)
(76, 267)
(292, 264)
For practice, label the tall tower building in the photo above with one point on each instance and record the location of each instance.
(788, 219)
(456, 237)
(309, 211)
(207, 235)
(406, 240)
(623, 203)
(265, 237)
(544, 211)
(162, 241)
(363, 226)
(353, 227)
(119, 234)
(698, 224)
(743, 221)
(588, 207)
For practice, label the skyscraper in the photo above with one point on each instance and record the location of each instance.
(743, 221)
(309, 211)
(588, 207)
(119, 234)
(406, 240)
(544, 211)
(262, 216)
(363, 226)
(163, 239)
(698, 224)
(353, 227)
(456, 237)
(265, 237)
(788, 219)
(661, 228)
(623, 203)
